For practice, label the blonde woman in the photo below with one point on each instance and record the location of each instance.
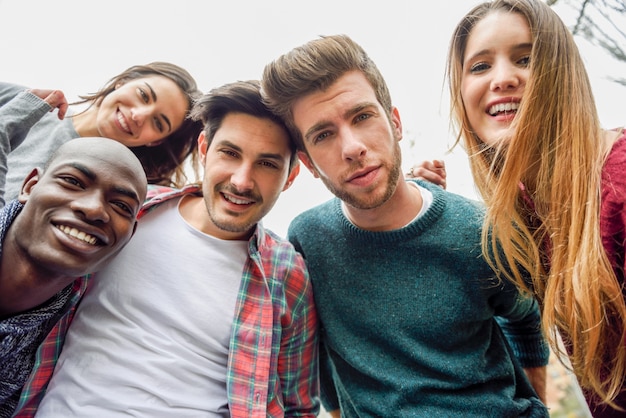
(552, 179)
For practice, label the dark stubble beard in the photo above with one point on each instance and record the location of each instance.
(371, 202)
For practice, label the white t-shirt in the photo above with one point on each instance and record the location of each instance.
(151, 336)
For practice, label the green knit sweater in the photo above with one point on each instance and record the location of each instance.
(408, 317)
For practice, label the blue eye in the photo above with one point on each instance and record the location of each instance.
(321, 137)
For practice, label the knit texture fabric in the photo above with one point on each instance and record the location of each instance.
(409, 316)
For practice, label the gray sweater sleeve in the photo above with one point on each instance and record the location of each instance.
(17, 116)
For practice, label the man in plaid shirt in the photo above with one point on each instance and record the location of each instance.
(204, 313)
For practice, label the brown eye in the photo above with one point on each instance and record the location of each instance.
(144, 96)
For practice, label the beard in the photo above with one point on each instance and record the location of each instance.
(370, 199)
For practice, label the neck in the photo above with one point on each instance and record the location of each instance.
(24, 284)
(20, 293)
(610, 137)
(395, 213)
(194, 211)
(85, 122)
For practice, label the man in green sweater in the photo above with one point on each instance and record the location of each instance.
(412, 316)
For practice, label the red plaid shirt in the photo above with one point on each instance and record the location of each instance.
(273, 360)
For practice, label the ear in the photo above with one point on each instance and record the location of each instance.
(31, 180)
(308, 163)
(396, 123)
(295, 170)
(203, 146)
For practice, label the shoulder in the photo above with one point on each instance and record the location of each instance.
(278, 250)
(8, 91)
(321, 214)
(453, 205)
(159, 194)
(613, 175)
(282, 263)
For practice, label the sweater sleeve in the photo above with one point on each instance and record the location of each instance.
(522, 329)
(328, 393)
(17, 116)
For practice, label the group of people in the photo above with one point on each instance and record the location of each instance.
(394, 298)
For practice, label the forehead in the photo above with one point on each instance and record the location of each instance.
(102, 164)
(499, 27)
(349, 89)
(348, 92)
(170, 98)
(253, 135)
(350, 86)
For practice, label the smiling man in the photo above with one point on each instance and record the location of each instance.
(69, 219)
(205, 313)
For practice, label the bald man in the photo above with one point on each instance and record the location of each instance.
(70, 218)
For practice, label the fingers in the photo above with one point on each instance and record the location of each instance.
(432, 171)
(55, 98)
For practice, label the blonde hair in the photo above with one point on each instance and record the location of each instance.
(558, 140)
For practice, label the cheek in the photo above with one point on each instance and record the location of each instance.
(470, 95)
(471, 103)
(123, 227)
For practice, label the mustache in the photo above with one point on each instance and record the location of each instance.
(245, 194)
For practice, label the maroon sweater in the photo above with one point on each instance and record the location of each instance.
(613, 229)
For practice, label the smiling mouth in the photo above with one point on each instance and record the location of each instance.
(75, 233)
(236, 200)
(503, 108)
(123, 124)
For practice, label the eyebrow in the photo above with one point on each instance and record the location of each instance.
(92, 176)
(483, 52)
(347, 114)
(154, 98)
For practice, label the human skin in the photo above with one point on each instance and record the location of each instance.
(352, 145)
(495, 72)
(77, 213)
(246, 167)
(142, 111)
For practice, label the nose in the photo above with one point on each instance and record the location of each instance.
(138, 115)
(92, 205)
(352, 148)
(242, 178)
(506, 76)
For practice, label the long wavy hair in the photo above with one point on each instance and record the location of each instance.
(164, 164)
(556, 151)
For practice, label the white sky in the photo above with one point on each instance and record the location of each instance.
(77, 45)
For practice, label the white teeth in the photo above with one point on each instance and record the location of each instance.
(73, 232)
(503, 107)
(237, 201)
(122, 122)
